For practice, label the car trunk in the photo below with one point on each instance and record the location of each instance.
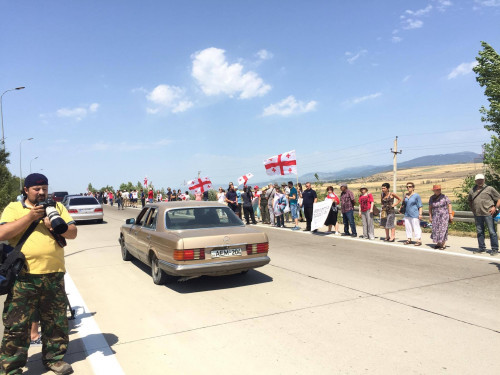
(222, 243)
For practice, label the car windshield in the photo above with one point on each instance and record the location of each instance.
(201, 217)
(83, 201)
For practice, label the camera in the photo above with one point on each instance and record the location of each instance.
(56, 221)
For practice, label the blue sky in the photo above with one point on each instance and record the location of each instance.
(117, 90)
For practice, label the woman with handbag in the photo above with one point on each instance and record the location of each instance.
(440, 215)
(388, 214)
(331, 220)
(412, 209)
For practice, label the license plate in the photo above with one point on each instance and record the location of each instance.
(86, 210)
(225, 253)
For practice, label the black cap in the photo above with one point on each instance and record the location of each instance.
(35, 179)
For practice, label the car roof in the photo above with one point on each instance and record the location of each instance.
(186, 204)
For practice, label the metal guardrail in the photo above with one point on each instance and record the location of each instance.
(460, 216)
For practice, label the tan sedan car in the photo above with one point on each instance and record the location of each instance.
(191, 239)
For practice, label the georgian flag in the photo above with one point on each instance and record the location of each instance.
(283, 164)
(200, 185)
(244, 179)
(146, 181)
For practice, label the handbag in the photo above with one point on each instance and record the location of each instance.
(376, 211)
(383, 214)
(402, 210)
(13, 261)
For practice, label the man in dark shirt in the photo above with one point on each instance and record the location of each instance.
(143, 198)
(232, 199)
(169, 194)
(309, 197)
(347, 205)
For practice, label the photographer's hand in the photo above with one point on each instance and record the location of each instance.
(46, 221)
(36, 213)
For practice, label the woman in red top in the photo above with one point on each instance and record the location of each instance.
(331, 220)
(366, 212)
(150, 195)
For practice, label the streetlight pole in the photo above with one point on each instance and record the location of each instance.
(31, 161)
(1, 112)
(20, 163)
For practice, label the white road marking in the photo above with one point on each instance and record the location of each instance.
(99, 354)
(376, 242)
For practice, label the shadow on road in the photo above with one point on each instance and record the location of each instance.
(205, 283)
(76, 352)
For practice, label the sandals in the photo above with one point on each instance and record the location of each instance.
(407, 242)
(418, 243)
(392, 240)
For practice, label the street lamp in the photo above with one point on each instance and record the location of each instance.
(31, 161)
(1, 111)
(20, 167)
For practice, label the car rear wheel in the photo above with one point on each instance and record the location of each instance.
(125, 254)
(159, 277)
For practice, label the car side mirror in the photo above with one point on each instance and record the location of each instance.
(130, 221)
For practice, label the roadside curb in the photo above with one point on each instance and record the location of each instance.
(381, 243)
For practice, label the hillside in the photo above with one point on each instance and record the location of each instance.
(450, 177)
(369, 170)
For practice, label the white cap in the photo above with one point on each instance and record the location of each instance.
(479, 176)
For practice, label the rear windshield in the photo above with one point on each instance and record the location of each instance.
(201, 217)
(82, 201)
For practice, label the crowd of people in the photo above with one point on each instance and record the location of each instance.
(276, 205)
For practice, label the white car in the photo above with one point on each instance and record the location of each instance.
(85, 208)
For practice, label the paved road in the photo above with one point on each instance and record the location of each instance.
(323, 306)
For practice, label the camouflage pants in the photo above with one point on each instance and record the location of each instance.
(30, 293)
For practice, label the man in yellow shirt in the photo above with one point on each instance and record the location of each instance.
(40, 287)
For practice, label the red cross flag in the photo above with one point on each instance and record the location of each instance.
(146, 181)
(285, 163)
(200, 185)
(244, 179)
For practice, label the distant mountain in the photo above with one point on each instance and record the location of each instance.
(368, 170)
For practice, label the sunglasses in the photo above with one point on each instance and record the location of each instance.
(409, 186)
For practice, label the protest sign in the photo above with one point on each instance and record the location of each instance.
(320, 213)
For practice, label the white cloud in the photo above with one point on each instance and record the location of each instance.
(420, 12)
(410, 23)
(396, 39)
(289, 106)
(216, 76)
(363, 98)
(488, 3)
(77, 113)
(168, 97)
(264, 54)
(353, 57)
(462, 69)
(443, 4)
(126, 146)
(405, 79)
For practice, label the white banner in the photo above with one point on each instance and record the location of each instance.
(320, 213)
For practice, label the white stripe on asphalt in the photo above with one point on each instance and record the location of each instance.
(99, 354)
(374, 242)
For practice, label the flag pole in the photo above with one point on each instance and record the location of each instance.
(297, 170)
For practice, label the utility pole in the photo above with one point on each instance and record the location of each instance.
(199, 172)
(395, 163)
